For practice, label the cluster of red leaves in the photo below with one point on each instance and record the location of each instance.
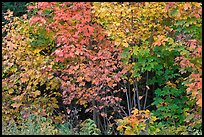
(91, 62)
(192, 61)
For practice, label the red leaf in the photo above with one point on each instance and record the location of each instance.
(68, 111)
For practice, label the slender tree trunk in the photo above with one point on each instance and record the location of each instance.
(128, 105)
(94, 111)
(137, 94)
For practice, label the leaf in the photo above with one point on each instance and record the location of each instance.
(10, 91)
(79, 79)
(174, 12)
(18, 98)
(24, 79)
(187, 6)
(16, 105)
(140, 97)
(110, 83)
(135, 111)
(125, 44)
(120, 128)
(68, 111)
(190, 117)
(36, 93)
(129, 131)
(88, 79)
(199, 102)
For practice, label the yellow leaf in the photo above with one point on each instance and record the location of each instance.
(143, 128)
(153, 118)
(129, 131)
(37, 92)
(11, 91)
(125, 44)
(135, 112)
(55, 106)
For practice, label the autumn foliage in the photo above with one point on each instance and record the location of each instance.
(132, 67)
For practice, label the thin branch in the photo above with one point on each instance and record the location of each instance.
(146, 93)
(127, 101)
(129, 95)
(134, 101)
(137, 93)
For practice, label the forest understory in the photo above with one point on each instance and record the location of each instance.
(101, 68)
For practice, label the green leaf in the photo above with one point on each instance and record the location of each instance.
(174, 12)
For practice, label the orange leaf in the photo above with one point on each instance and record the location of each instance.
(24, 80)
(186, 6)
(16, 105)
(17, 98)
(79, 79)
(199, 102)
(110, 83)
(88, 79)
(134, 121)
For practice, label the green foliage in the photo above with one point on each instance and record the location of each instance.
(33, 125)
(170, 103)
(88, 127)
(19, 8)
(65, 129)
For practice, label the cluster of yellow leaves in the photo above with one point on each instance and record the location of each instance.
(130, 22)
(24, 69)
(115, 18)
(135, 25)
(136, 123)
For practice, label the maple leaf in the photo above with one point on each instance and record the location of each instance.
(134, 121)
(158, 42)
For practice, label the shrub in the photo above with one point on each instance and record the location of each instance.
(33, 125)
(88, 127)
